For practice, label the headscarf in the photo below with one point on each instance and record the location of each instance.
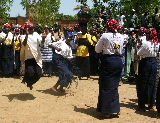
(112, 24)
(143, 30)
(152, 33)
(7, 25)
(28, 24)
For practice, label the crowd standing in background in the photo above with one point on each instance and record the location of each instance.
(113, 49)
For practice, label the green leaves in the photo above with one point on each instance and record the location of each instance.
(41, 11)
(5, 8)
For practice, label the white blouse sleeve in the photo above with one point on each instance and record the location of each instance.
(142, 50)
(99, 45)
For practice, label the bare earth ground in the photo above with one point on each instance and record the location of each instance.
(18, 104)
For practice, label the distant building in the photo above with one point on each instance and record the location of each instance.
(21, 20)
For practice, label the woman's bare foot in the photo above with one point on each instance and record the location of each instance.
(55, 87)
(61, 89)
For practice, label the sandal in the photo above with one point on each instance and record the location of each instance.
(107, 116)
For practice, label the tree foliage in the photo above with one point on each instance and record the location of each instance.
(5, 8)
(66, 17)
(139, 5)
(115, 6)
(42, 11)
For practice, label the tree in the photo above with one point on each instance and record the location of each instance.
(41, 11)
(5, 8)
(66, 17)
(139, 5)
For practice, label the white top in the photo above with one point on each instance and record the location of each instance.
(9, 38)
(110, 43)
(2, 35)
(32, 49)
(148, 49)
(66, 51)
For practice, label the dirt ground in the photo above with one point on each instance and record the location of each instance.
(18, 104)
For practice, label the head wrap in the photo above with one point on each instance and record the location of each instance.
(28, 24)
(38, 26)
(7, 25)
(112, 24)
(16, 29)
(45, 26)
(152, 33)
(77, 26)
(71, 28)
(143, 30)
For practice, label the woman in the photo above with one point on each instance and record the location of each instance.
(47, 51)
(146, 86)
(17, 48)
(111, 45)
(82, 54)
(62, 60)
(31, 55)
(7, 52)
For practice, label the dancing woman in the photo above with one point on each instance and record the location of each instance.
(110, 44)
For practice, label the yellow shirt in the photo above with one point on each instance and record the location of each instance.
(82, 50)
(94, 39)
(17, 45)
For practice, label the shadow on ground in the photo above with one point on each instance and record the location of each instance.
(132, 104)
(90, 111)
(52, 92)
(20, 96)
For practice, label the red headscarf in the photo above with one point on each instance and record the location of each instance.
(7, 25)
(143, 30)
(152, 33)
(112, 24)
(28, 24)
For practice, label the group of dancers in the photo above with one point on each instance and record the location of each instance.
(30, 52)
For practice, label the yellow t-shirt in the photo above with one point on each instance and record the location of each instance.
(82, 50)
(17, 45)
(94, 39)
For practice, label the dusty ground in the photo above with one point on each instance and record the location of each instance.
(18, 104)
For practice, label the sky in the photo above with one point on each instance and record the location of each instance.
(66, 8)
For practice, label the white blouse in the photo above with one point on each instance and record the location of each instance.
(66, 51)
(148, 49)
(110, 43)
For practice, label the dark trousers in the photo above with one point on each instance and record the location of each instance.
(33, 72)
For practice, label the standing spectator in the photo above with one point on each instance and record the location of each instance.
(82, 55)
(17, 48)
(121, 18)
(47, 51)
(111, 45)
(7, 52)
(2, 36)
(132, 20)
(145, 19)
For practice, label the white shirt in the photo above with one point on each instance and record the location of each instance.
(148, 49)
(66, 51)
(110, 43)
(9, 38)
(32, 49)
(2, 35)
